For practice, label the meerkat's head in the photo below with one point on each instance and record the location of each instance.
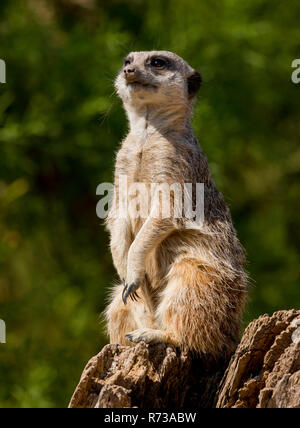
(158, 78)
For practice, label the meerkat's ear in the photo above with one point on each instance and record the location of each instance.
(194, 83)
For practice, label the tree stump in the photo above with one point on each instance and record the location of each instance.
(263, 372)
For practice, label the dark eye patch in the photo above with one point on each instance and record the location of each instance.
(159, 62)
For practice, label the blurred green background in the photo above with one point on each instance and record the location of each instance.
(60, 126)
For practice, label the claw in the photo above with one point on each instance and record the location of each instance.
(124, 290)
(123, 294)
(134, 296)
(129, 336)
(129, 291)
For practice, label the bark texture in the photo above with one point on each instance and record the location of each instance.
(264, 372)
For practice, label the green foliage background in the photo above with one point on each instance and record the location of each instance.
(60, 125)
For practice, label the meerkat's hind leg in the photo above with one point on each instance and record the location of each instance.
(196, 309)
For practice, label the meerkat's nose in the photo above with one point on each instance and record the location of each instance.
(129, 72)
(129, 69)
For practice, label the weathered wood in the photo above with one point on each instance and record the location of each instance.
(263, 372)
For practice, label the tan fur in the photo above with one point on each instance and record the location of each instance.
(191, 282)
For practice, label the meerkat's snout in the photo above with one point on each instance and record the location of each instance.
(129, 73)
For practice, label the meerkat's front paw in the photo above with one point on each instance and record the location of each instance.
(130, 290)
(147, 335)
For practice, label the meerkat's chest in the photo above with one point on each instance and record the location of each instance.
(140, 164)
(144, 161)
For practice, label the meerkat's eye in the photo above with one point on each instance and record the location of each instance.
(127, 62)
(158, 63)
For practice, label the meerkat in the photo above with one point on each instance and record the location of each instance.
(178, 285)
